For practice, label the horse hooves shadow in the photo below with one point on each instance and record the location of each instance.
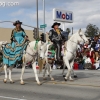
(63, 75)
(44, 78)
(12, 82)
(48, 75)
(75, 76)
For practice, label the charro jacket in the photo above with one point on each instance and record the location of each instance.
(55, 35)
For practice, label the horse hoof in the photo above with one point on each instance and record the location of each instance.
(71, 80)
(48, 75)
(65, 79)
(22, 83)
(75, 76)
(39, 83)
(44, 78)
(52, 79)
(5, 81)
(63, 75)
(12, 82)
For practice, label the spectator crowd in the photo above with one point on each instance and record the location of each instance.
(88, 55)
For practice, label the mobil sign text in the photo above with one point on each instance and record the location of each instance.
(62, 15)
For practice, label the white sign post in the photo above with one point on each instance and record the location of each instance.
(63, 26)
(62, 16)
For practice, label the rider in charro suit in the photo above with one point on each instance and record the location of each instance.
(56, 37)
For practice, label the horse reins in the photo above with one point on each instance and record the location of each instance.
(29, 53)
(76, 43)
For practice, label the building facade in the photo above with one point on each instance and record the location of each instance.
(5, 34)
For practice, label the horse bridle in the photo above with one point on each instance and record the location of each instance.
(81, 37)
(75, 43)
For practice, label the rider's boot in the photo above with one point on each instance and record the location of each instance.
(58, 57)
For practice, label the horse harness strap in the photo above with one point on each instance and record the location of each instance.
(65, 49)
(76, 42)
(71, 52)
(81, 36)
(31, 54)
(73, 41)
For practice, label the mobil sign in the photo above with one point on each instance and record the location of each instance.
(62, 15)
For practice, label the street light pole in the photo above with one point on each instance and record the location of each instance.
(44, 14)
(72, 30)
(37, 20)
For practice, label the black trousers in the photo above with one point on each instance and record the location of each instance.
(58, 45)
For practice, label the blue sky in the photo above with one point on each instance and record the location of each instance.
(85, 12)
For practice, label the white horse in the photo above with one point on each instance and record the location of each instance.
(43, 55)
(30, 55)
(69, 53)
(2, 44)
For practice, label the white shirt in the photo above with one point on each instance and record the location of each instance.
(88, 60)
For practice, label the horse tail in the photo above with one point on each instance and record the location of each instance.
(40, 64)
(1, 68)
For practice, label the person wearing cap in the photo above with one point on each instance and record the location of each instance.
(13, 51)
(56, 37)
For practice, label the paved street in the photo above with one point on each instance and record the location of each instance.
(85, 87)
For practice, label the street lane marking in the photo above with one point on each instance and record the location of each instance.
(65, 83)
(11, 98)
(61, 82)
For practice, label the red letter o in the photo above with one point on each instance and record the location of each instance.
(63, 16)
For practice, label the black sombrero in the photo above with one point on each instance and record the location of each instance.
(17, 22)
(55, 24)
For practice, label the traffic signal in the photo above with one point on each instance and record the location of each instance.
(35, 33)
(42, 38)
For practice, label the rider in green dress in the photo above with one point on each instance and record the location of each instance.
(13, 51)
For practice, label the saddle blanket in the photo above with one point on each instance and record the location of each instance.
(52, 52)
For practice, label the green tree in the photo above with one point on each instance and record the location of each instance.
(91, 30)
